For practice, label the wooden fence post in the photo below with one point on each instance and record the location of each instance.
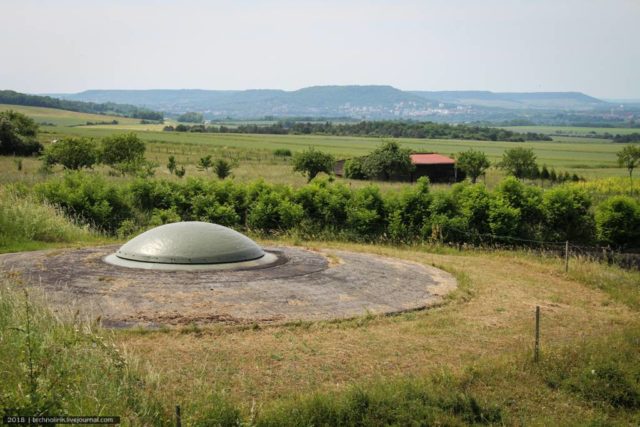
(178, 417)
(566, 256)
(536, 351)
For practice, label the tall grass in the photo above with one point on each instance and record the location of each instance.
(604, 373)
(23, 218)
(57, 364)
(439, 400)
(621, 285)
(49, 366)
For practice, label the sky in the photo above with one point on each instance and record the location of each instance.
(60, 46)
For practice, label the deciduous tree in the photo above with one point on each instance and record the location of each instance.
(311, 162)
(473, 163)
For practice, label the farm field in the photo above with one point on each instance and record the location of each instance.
(573, 130)
(574, 156)
(591, 158)
(63, 117)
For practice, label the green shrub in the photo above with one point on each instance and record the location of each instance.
(355, 169)
(366, 217)
(467, 213)
(89, 198)
(274, 211)
(222, 168)
(152, 194)
(164, 216)
(618, 221)
(567, 215)
(311, 162)
(409, 211)
(527, 200)
(124, 153)
(324, 205)
(71, 153)
(388, 162)
(18, 134)
(282, 152)
(445, 222)
(473, 202)
(504, 220)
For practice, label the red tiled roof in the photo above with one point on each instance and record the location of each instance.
(431, 159)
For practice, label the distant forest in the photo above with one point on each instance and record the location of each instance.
(389, 129)
(17, 98)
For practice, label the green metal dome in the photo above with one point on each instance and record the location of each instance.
(190, 243)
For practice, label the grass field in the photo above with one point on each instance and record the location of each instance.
(573, 130)
(585, 157)
(63, 117)
(588, 157)
(478, 343)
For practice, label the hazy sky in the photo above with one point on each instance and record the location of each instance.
(591, 46)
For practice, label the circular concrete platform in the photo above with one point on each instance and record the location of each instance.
(301, 285)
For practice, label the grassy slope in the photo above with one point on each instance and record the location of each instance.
(476, 345)
(487, 326)
(63, 117)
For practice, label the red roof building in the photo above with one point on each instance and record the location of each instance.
(431, 159)
(436, 167)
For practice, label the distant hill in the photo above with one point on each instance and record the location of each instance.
(349, 101)
(574, 101)
(359, 102)
(109, 107)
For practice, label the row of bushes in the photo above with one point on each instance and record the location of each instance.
(466, 213)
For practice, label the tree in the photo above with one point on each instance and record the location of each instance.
(124, 153)
(71, 153)
(354, 168)
(222, 168)
(18, 134)
(311, 162)
(629, 157)
(172, 165)
(473, 163)
(544, 173)
(618, 221)
(389, 161)
(205, 163)
(191, 117)
(180, 172)
(519, 162)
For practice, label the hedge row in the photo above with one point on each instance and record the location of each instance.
(466, 213)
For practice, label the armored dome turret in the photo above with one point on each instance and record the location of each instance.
(193, 243)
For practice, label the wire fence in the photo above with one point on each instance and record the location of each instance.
(625, 259)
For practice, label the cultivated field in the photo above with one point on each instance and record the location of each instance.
(577, 131)
(64, 118)
(588, 157)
